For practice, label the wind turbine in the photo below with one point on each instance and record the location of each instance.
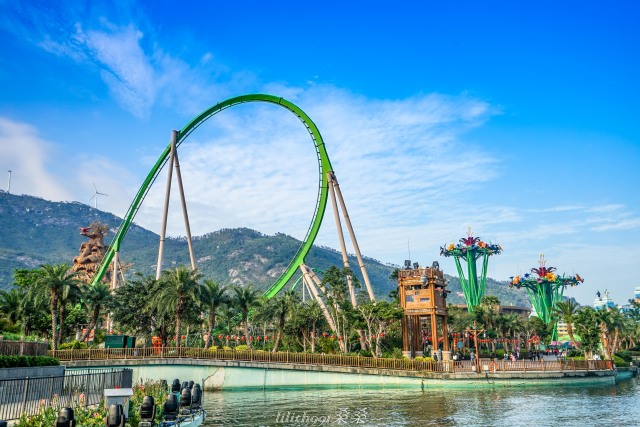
(95, 196)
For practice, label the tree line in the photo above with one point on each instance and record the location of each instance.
(183, 309)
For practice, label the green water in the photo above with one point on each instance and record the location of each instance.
(602, 405)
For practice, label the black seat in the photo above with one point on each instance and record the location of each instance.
(190, 385)
(115, 416)
(147, 409)
(66, 418)
(175, 386)
(171, 407)
(196, 397)
(185, 398)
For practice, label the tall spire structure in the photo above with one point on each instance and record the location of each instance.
(469, 250)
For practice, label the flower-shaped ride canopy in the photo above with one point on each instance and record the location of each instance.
(545, 289)
(470, 249)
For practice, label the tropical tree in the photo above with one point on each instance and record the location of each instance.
(567, 312)
(536, 327)
(586, 325)
(244, 299)
(313, 315)
(11, 305)
(377, 317)
(95, 298)
(69, 296)
(214, 296)
(510, 326)
(52, 281)
(34, 310)
(134, 308)
(339, 306)
(180, 289)
(280, 308)
(610, 322)
(487, 313)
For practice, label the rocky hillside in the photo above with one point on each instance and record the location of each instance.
(34, 231)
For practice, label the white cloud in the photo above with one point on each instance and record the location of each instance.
(138, 73)
(30, 159)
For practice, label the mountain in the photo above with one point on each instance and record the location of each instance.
(35, 231)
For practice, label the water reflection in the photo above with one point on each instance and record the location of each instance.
(535, 406)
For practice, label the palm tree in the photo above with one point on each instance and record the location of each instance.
(567, 311)
(213, 297)
(52, 281)
(244, 299)
(95, 298)
(313, 314)
(69, 297)
(11, 305)
(179, 288)
(281, 307)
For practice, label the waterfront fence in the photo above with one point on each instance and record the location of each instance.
(403, 364)
(23, 348)
(76, 388)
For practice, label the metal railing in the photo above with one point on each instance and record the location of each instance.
(29, 395)
(328, 359)
(23, 348)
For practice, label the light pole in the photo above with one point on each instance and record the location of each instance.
(475, 331)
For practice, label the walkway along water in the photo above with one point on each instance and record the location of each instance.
(223, 369)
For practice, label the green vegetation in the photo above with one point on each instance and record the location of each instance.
(27, 361)
(96, 416)
(219, 305)
(37, 232)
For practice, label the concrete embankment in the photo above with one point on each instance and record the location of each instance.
(230, 375)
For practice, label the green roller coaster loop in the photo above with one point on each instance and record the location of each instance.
(321, 203)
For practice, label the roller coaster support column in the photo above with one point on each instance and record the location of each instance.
(306, 271)
(333, 322)
(114, 282)
(336, 188)
(343, 249)
(185, 215)
(165, 211)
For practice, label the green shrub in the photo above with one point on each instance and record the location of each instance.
(242, 347)
(18, 337)
(625, 355)
(73, 345)
(619, 362)
(27, 361)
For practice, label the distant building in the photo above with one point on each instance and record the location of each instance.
(637, 293)
(562, 329)
(603, 301)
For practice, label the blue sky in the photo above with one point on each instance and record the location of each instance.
(520, 121)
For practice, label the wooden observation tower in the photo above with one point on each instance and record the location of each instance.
(423, 296)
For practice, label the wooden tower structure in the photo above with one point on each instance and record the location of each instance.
(423, 296)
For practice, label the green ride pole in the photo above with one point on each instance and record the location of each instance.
(324, 165)
(483, 277)
(463, 282)
(473, 276)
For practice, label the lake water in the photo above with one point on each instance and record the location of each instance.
(602, 405)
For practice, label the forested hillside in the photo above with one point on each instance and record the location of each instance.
(34, 231)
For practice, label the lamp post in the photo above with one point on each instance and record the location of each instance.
(475, 331)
